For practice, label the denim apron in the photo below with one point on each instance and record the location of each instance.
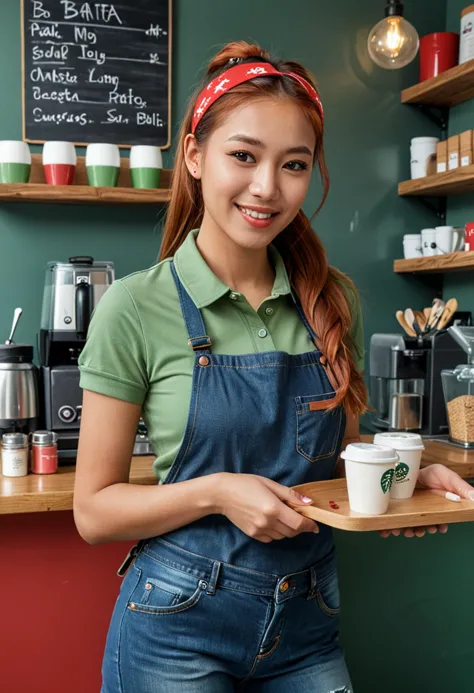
(205, 607)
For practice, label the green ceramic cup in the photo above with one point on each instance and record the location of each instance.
(146, 163)
(103, 175)
(14, 173)
(15, 161)
(145, 177)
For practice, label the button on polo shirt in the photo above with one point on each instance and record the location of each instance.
(137, 346)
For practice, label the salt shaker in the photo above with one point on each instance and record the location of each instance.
(14, 454)
(44, 452)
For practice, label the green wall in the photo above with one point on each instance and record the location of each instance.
(402, 627)
(460, 208)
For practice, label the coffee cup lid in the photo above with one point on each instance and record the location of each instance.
(369, 452)
(398, 440)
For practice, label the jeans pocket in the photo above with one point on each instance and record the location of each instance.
(327, 594)
(163, 590)
(317, 429)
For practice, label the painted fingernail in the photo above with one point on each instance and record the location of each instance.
(305, 499)
(471, 495)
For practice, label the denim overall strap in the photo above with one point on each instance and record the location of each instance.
(198, 340)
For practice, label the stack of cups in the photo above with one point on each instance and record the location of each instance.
(146, 163)
(370, 470)
(428, 242)
(15, 161)
(102, 164)
(421, 150)
(409, 447)
(412, 245)
(59, 162)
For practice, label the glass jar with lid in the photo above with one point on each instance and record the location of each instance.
(458, 390)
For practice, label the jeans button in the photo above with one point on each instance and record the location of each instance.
(203, 361)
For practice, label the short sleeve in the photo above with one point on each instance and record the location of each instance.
(113, 361)
(357, 331)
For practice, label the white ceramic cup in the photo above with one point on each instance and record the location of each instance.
(412, 245)
(421, 149)
(428, 242)
(409, 448)
(14, 152)
(449, 239)
(59, 153)
(145, 156)
(370, 470)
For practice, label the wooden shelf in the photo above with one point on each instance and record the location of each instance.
(37, 190)
(459, 180)
(447, 89)
(462, 261)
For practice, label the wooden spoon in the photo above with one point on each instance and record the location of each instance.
(420, 318)
(401, 319)
(449, 309)
(409, 316)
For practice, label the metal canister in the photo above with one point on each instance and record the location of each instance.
(14, 454)
(44, 452)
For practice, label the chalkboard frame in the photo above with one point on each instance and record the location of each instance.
(84, 144)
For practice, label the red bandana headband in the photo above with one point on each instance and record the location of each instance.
(242, 73)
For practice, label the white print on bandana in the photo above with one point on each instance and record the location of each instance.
(202, 107)
(221, 86)
(257, 71)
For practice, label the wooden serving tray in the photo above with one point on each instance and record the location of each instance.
(423, 508)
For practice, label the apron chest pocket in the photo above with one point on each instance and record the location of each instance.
(317, 429)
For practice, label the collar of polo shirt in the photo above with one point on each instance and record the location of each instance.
(202, 284)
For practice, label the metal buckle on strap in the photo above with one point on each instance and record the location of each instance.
(197, 343)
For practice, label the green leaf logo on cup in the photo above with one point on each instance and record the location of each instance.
(102, 164)
(387, 480)
(146, 163)
(15, 161)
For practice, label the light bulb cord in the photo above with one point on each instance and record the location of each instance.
(394, 8)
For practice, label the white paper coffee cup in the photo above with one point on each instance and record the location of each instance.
(370, 470)
(409, 448)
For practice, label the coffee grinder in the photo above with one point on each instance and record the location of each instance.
(72, 291)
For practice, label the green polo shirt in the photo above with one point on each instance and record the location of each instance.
(137, 346)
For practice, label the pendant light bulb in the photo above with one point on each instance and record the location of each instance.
(393, 42)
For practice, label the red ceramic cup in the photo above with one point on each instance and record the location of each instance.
(438, 52)
(59, 174)
(59, 162)
(469, 230)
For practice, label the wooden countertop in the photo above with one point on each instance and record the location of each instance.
(39, 493)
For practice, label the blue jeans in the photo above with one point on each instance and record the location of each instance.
(184, 623)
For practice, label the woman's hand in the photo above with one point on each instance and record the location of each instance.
(438, 479)
(257, 506)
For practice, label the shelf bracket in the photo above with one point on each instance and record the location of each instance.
(437, 205)
(438, 115)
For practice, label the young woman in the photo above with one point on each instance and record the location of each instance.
(243, 352)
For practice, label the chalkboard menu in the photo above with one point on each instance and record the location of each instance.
(97, 72)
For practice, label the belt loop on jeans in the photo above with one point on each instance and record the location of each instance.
(312, 588)
(214, 577)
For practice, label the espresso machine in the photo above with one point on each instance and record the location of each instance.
(72, 291)
(405, 381)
